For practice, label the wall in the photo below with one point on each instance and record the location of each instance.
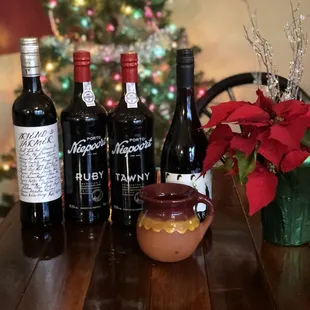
(215, 25)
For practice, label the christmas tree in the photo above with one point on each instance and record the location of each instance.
(106, 28)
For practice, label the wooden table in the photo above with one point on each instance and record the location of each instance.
(102, 267)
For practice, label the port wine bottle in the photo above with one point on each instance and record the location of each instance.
(131, 147)
(36, 140)
(185, 146)
(84, 123)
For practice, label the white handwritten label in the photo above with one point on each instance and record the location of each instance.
(131, 97)
(88, 95)
(38, 163)
(195, 180)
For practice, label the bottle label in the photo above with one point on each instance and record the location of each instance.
(38, 163)
(131, 147)
(203, 184)
(84, 146)
(88, 95)
(131, 97)
(132, 167)
(85, 159)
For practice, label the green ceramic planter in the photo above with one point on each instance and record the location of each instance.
(286, 221)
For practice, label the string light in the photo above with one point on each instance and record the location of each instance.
(79, 2)
(52, 4)
(159, 14)
(109, 28)
(110, 103)
(118, 87)
(201, 91)
(172, 27)
(147, 72)
(148, 13)
(126, 9)
(49, 66)
(65, 84)
(171, 88)
(84, 22)
(174, 44)
(159, 52)
(90, 12)
(143, 100)
(6, 167)
(43, 79)
(107, 59)
(170, 96)
(137, 14)
(116, 76)
(154, 91)
(152, 106)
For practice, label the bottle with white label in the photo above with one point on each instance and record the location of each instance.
(186, 143)
(84, 124)
(131, 147)
(36, 140)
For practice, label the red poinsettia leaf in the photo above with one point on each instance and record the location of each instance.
(260, 188)
(283, 135)
(243, 144)
(293, 159)
(298, 127)
(262, 101)
(214, 153)
(221, 132)
(290, 108)
(222, 111)
(249, 114)
(272, 150)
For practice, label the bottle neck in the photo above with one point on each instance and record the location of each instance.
(81, 75)
(32, 84)
(185, 104)
(130, 94)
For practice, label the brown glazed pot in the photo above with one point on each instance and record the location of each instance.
(168, 229)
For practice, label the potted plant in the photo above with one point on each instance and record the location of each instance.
(269, 153)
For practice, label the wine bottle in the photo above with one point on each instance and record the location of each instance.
(36, 140)
(131, 147)
(84, 129)
(186, 143)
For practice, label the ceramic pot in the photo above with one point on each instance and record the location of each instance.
(168, 229)
(286, 220)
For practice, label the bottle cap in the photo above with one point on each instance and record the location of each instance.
(81, 58)
(129, 59)
(185, 56)
(29, 45)
(29, 57)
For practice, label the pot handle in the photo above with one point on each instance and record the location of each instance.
(210, 208)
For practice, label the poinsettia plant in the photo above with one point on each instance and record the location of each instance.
(274, 139)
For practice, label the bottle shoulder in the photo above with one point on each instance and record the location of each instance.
(27, 102)
(33, 109)
(123, 114)
(77, 111)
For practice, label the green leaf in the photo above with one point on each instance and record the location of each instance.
(246, 165)
(229, 163)
(306, 138)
